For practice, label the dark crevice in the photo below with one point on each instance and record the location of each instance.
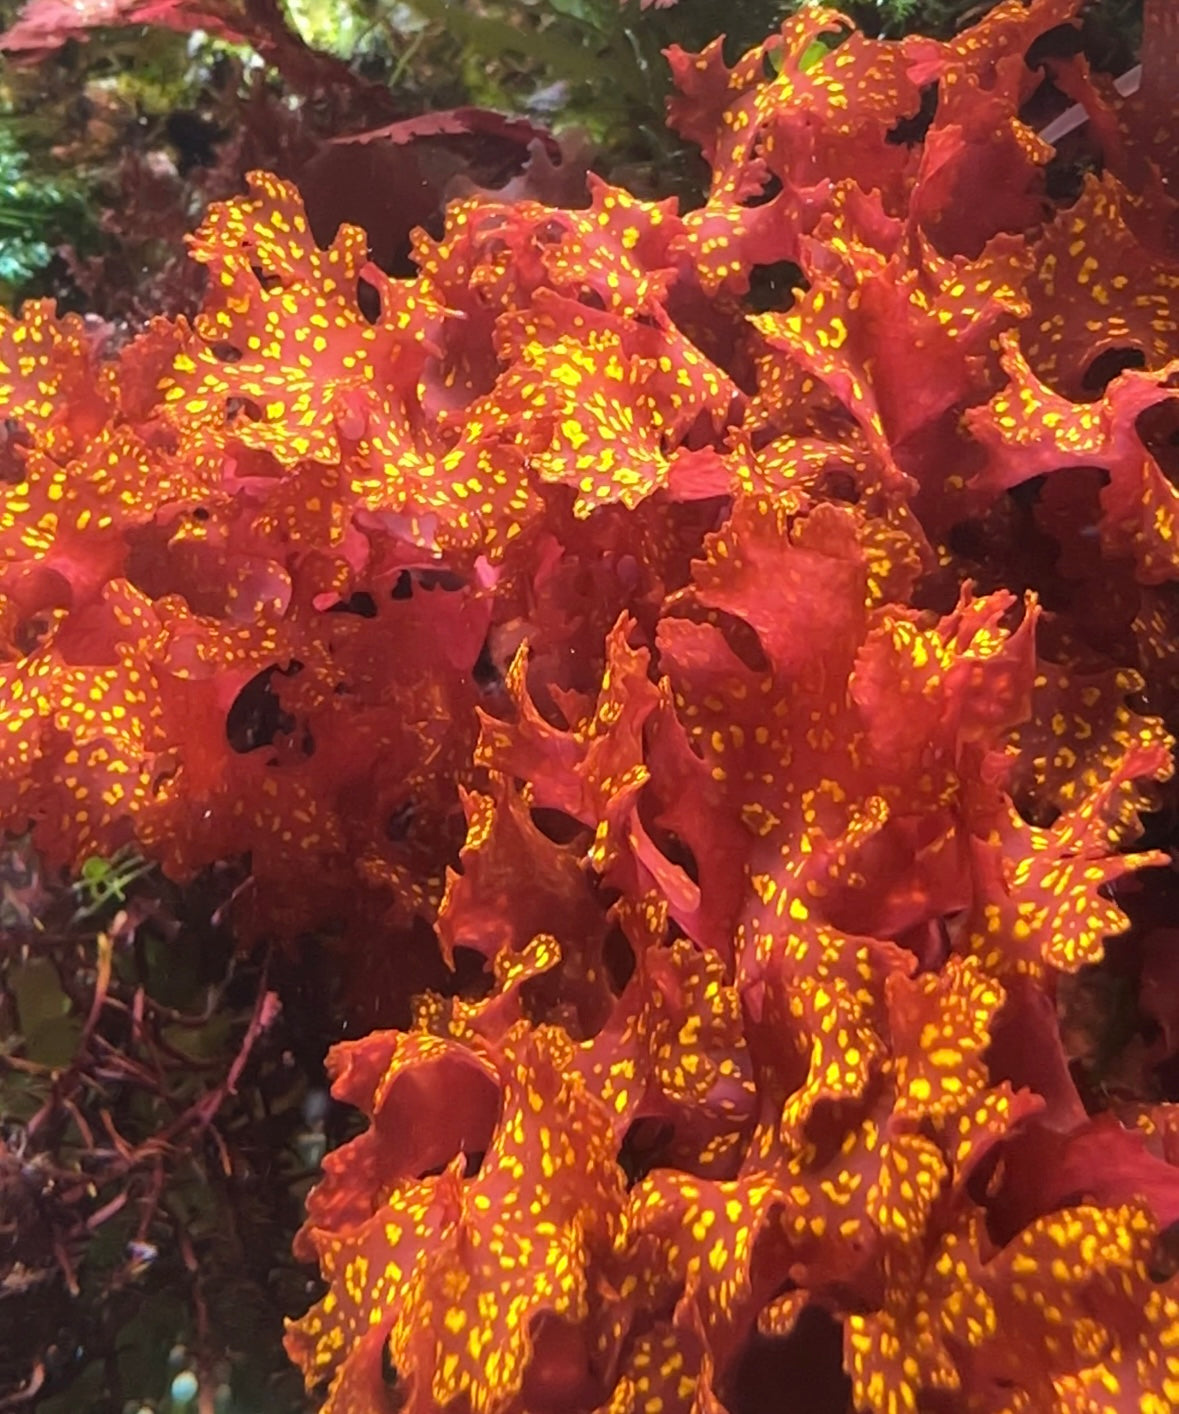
(912, 130)
(14, 438)
(446, 580)
(488, 677)
(1158, 427)
(1106, 367)
(555, 825)
(678, 853)
(1064, 176)
(390, 1375)
(1060, 42)
(838, 484)
(771, 189)
(256, 716)
(1041, 814)
(618, 958)
(774, 287)
(195, 139)
(360, 603)
(368, 301)
(400, 822)
(646, 1143)
(808, 1362)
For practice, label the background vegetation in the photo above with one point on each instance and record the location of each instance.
(109, 148)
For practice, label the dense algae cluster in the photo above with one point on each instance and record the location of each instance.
(632, 640)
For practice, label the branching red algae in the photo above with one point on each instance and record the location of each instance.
(770, 813)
